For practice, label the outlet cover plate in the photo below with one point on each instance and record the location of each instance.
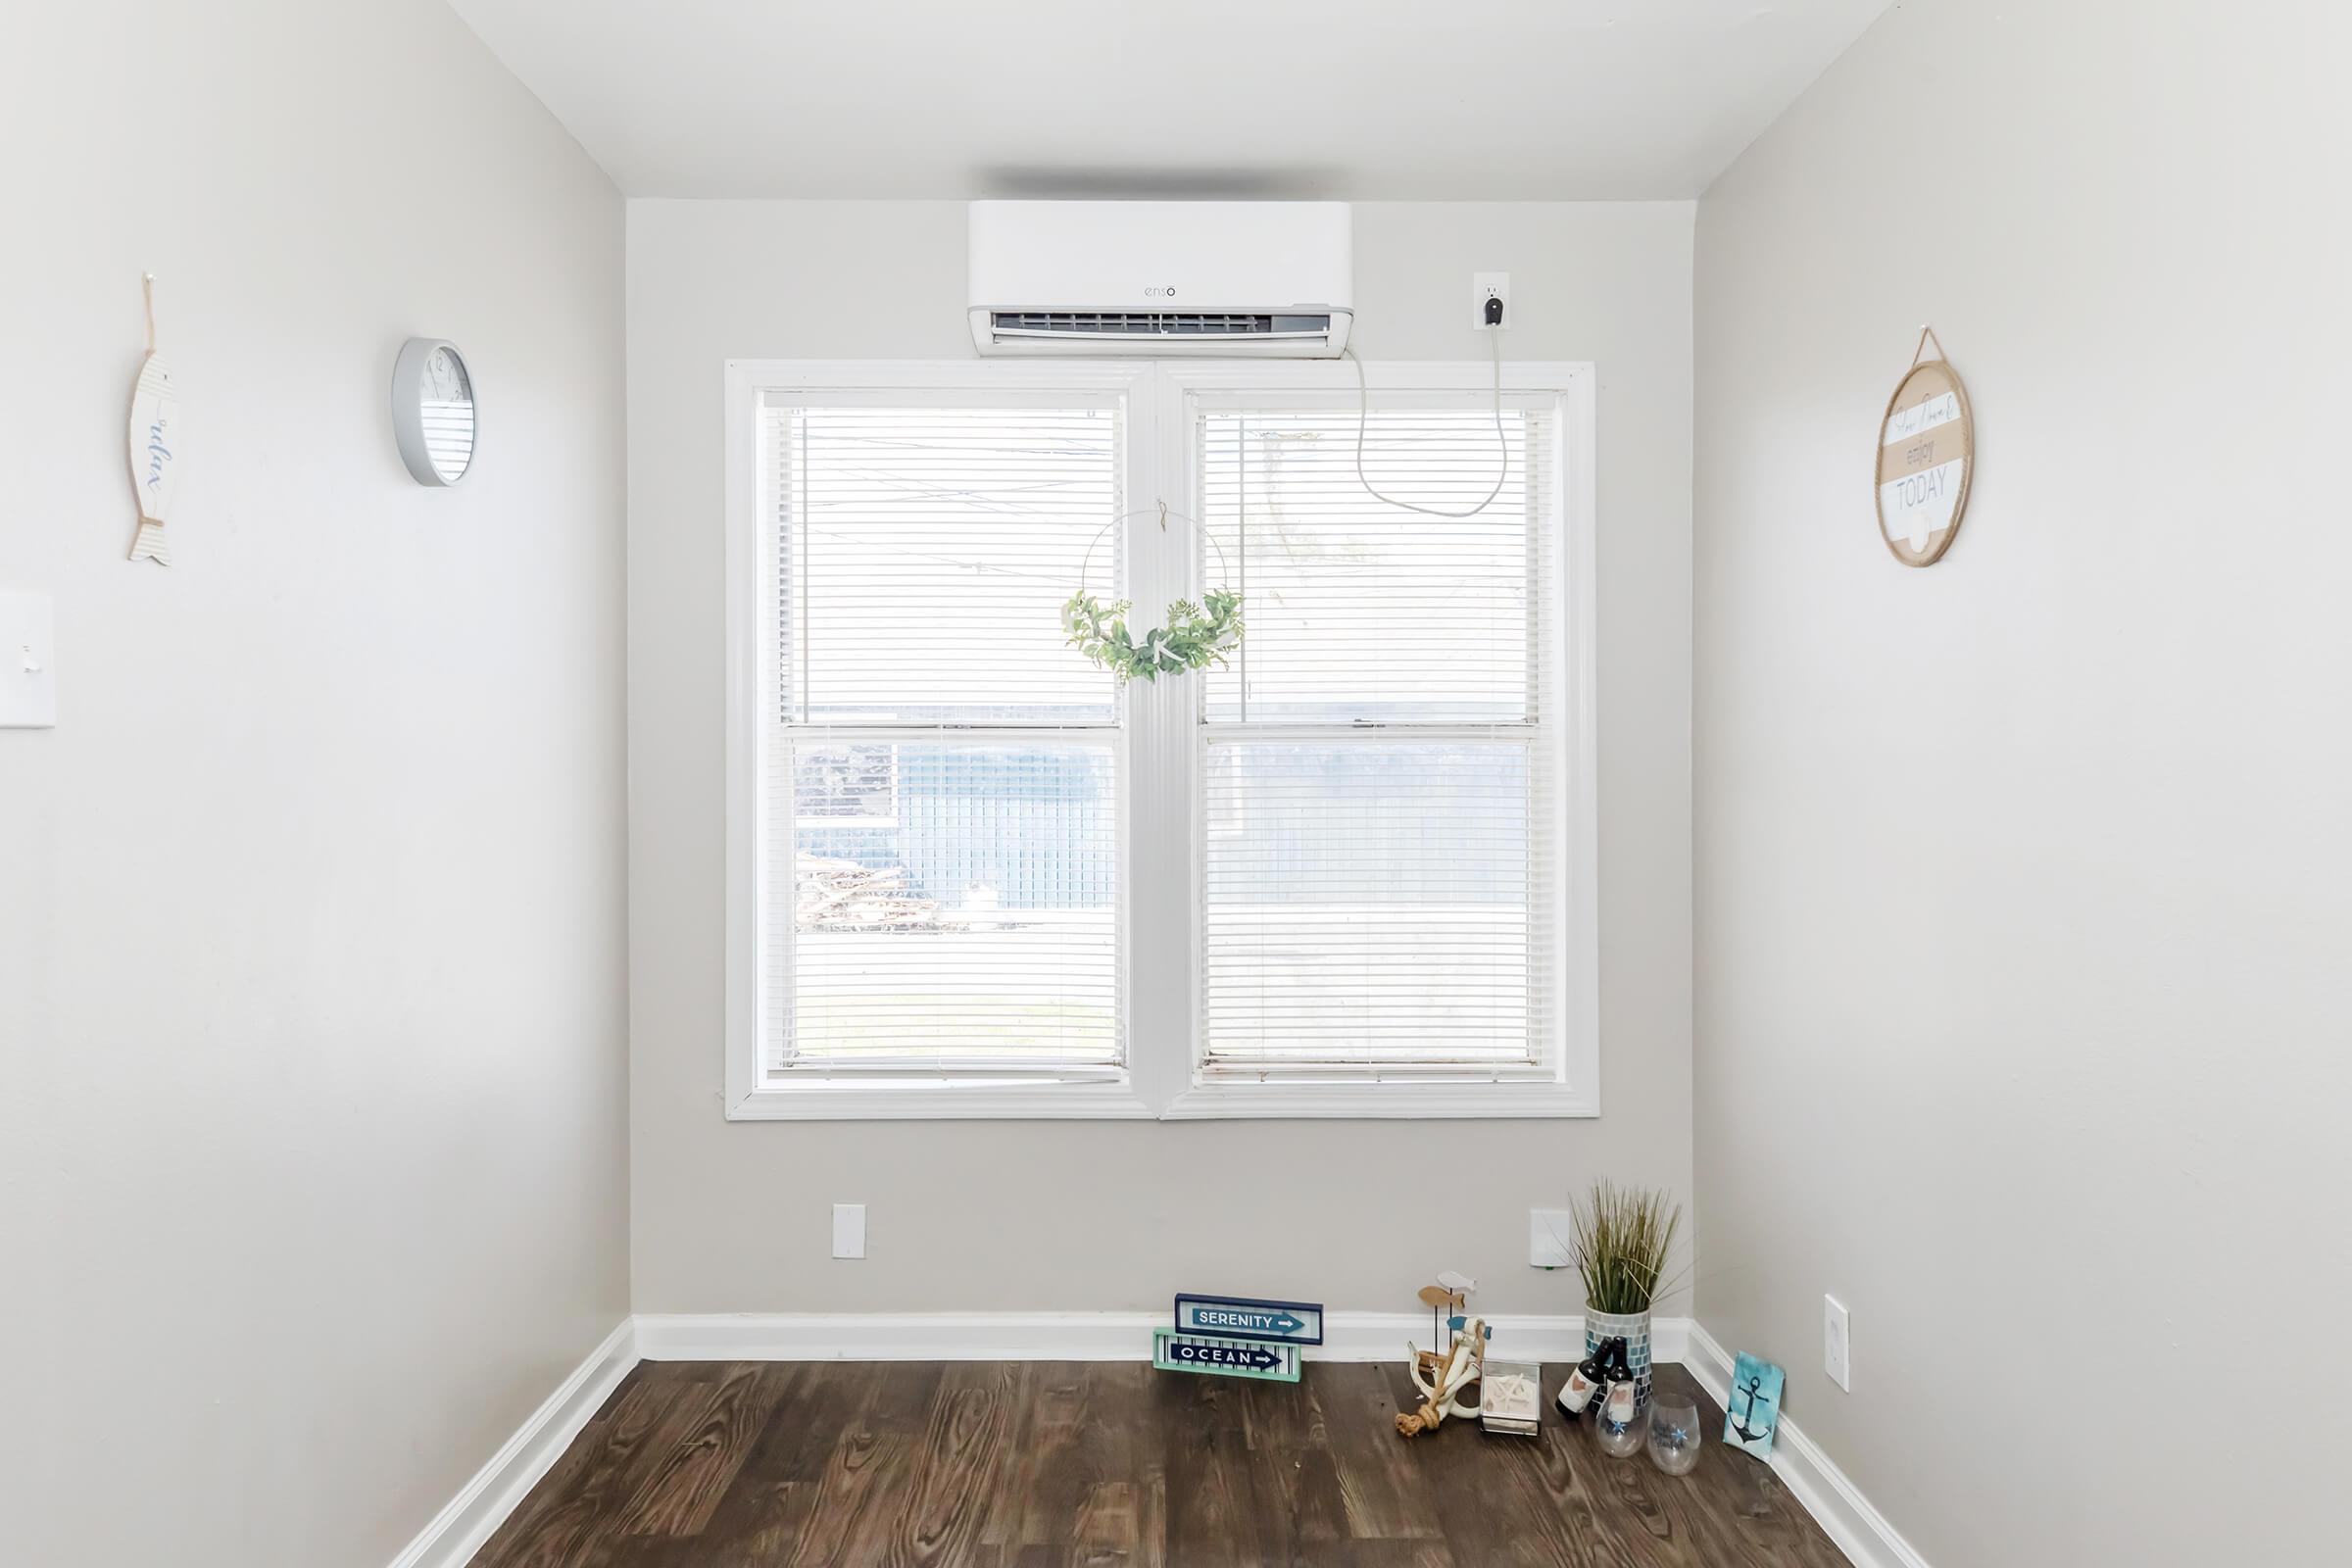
(1548, 1232)
(1837, 1341)
(849, 1230)
(1481, 286)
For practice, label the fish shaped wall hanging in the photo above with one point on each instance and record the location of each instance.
(155, 445)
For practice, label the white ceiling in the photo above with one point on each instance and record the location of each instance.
(1361, 99)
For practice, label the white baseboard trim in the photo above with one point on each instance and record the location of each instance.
(1070, 1336)
(1846, 1516)
(474, 1514)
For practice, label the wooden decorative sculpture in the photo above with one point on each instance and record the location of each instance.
(1443, 1378)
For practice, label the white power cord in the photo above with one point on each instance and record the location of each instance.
(1502, 449)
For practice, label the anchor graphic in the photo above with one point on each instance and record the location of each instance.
(1754, 1384)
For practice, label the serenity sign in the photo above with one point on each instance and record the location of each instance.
(1242, 1317)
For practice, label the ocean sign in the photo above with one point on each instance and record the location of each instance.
(1241, 1317)
(1172, 1352)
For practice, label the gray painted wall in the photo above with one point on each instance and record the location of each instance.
(313, 1146)
(2021, 906)
(1005, 1215)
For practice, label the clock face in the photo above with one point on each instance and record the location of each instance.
(445, 401)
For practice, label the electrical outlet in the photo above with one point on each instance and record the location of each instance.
(1484, 286)
(849, 1230)
(1836, 1342)
(1548, 1232)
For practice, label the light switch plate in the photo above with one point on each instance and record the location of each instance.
(849, 1230)
(1548, 1232)
(27, 662)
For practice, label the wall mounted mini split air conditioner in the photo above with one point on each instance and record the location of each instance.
(1263, 279)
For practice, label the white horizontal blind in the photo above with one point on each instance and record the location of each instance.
(1381, 884)
(942, 780)
(926, 553)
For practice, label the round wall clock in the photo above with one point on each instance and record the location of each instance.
(1926, 452)
(433, 413)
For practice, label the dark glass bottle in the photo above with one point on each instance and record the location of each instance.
(1584, 1384)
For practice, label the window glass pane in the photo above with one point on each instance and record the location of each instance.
(1372, 902)
(951, 906)
(1358, 609)
(924, 556)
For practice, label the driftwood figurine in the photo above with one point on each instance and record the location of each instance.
(1443, 1378)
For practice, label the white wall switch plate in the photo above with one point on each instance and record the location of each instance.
(1837, 1341)
(27, 662)
(1484, 286)
(849, 1230)
(1548, 1232)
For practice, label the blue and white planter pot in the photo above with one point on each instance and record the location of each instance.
(1634, 1329)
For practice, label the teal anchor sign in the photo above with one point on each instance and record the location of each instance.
(1752, 1413)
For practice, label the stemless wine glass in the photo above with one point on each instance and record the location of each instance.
(1674, 1433)
(1619, 1440)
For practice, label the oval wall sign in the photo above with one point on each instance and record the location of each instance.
(1927, 450)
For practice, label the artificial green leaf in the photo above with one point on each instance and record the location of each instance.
(1195, 637)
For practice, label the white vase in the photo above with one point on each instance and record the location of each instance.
(1634, 1329)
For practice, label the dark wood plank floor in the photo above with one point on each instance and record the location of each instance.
(1046, 1464)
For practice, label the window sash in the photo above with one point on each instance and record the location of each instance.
(986, 988)
(1320, 971)
(932, 537)
(925, 998)
(1353, 985)
(1362, 613)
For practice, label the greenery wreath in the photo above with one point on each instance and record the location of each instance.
(1195, 637)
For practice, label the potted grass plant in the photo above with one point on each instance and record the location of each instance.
(1623, 1238)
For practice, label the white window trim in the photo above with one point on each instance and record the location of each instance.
(1162, 1029)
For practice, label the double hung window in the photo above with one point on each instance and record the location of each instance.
(1349, 872)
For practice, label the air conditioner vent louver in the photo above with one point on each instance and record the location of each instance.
(1149, 280)
(1156, 324)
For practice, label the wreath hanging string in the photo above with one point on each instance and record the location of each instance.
(1195, 637)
